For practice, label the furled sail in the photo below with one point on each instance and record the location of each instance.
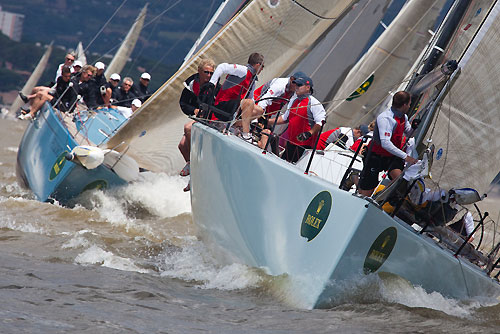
(80, 54)
(226, 10)
(279, 29)
(466, 127)
(383, 68)
(33, 79)
(122, 55)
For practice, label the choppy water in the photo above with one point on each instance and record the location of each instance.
(131, 261)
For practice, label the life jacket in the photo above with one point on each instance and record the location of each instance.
(235, 87)
(298, 122)
(396, 138)
(323, 137)
(275, 105)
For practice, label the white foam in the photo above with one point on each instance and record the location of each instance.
(96, 255)
(22, 227)
(193, 263)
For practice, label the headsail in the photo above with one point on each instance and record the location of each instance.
(127, 46)
(281, 30)
(33, 79)
(466, 127)
(384, 66)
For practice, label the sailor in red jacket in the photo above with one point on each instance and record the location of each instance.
(304, 115)
(282, 88)
(238, 85)
(385, 152)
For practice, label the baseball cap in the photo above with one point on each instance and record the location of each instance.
(99, 65)
(115, 76)
(299, 74)
(364, 129)
(137, 103)
(77, 63)
(303, 80)
(146, 76)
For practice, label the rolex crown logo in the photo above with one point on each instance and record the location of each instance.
(320, 206)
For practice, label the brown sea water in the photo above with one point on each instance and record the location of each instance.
(130, 260)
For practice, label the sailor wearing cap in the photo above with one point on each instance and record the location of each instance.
(343, 136)
(99, 77)
(271, 97)
(305, 115)
(141, 90)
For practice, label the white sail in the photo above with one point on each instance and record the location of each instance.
(328, 62)
(384, 66)
(280, 30)
(33, 79)
(466, 128)
(122, 55)
(226, 10)
(80, 54)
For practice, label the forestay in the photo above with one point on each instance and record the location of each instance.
(281, 30)
(466, 129)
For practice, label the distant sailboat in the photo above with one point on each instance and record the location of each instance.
(33, 79)
(80, 54)
(127, 46)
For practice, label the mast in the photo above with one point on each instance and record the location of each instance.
(122, 55)
(33, 79)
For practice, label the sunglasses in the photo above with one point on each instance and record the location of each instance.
(126, 84)
(69, 59)
(145, 79)
(208, 72)
(116, 80)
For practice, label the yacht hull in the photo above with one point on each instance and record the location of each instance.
(259, 210)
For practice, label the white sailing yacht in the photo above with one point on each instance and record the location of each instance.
(257, 209)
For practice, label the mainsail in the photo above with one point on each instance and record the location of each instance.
(33, 79)
(281, 30)
(384, 66)
(122, 55)
(466, 127)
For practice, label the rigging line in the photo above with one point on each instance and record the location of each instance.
(341, 37)
(159, 15)
(173, 46)
(104, 26)
(182, 37)
(313, 13)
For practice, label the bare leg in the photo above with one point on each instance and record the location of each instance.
(185, 143)
(37, 102)
(249, 112)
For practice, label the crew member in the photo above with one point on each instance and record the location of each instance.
(385, 151)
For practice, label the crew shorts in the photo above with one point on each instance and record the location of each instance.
(373, 165)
